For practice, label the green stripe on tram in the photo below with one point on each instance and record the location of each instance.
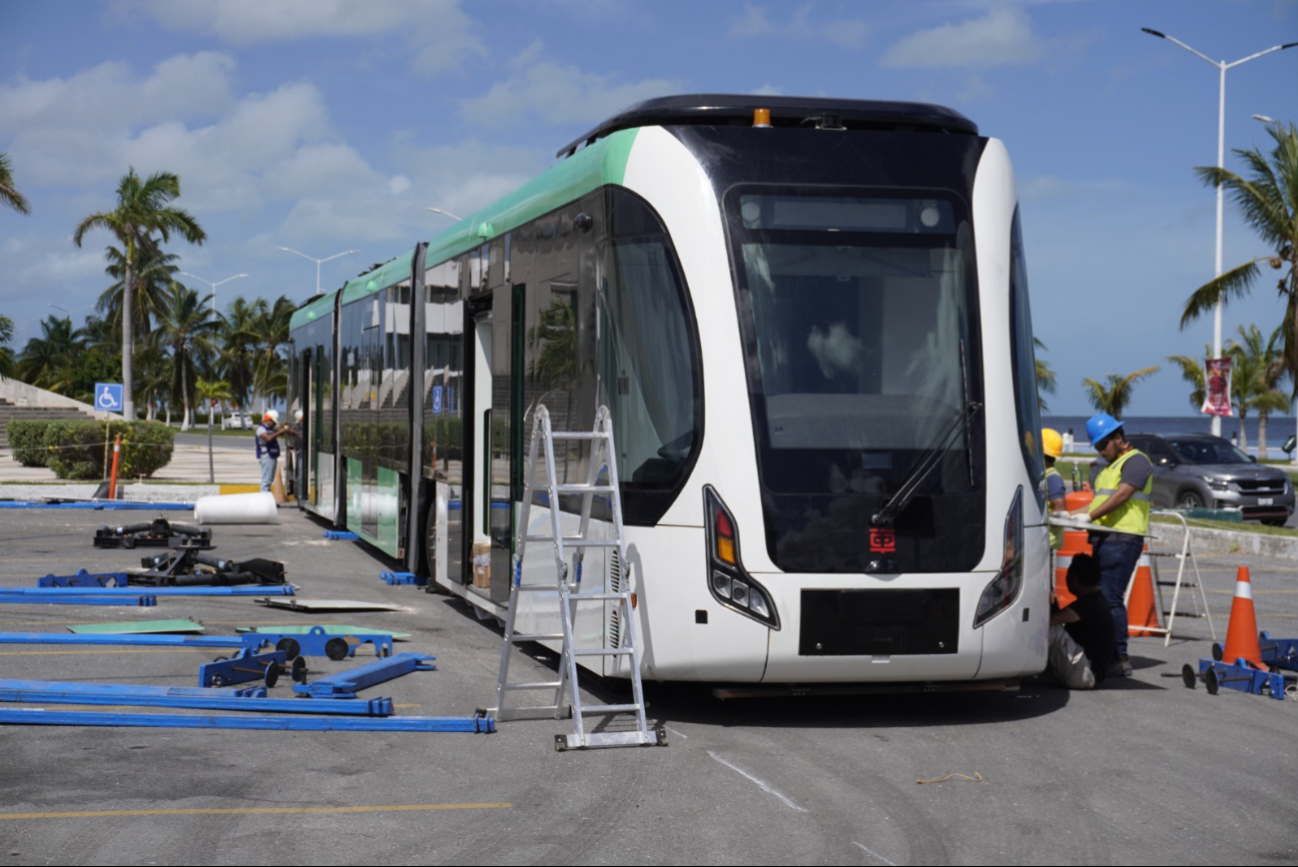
(601, 164)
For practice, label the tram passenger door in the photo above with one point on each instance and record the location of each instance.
(477, 502)
(304, 477)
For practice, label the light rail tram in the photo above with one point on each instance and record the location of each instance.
(809, 319)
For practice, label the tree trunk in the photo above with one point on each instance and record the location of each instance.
(187, 420)
(211, 471)
(128, 336)
(1261, 436)
(1243, 434)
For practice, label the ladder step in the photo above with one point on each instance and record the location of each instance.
(535, 588)
(610, 708)
(577, 435)
(1184, 584)
(572, 541)
(550, 684)
(603, 651)
(1183, 614)
(538, 636)
(596, 597)
(584, 489)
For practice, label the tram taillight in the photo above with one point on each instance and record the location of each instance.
(730, 584)
(1004, 588)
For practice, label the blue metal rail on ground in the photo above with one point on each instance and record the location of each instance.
(1278, 652)
(57, 695)
(346, 684)
(109, 505)
(134, 689)
(147, 640)
(23, 598)
(26, 716)
(254, 590)
(85, 579)
(341, 535)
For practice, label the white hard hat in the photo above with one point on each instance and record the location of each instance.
(271, 414)
(297, 416)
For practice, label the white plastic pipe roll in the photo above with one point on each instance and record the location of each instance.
(237, 509)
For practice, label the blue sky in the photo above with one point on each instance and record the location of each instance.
(325, 125)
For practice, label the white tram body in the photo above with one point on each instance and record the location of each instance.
(828, 443)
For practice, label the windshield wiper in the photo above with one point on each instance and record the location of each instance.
(932, 456)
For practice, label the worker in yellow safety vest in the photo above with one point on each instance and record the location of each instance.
(1122, 501)
(1053, 446)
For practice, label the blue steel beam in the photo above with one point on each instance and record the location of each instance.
(151, 640)
(372, 707)
(132, 689)
(33, 716)
(25, 599)
(345, 684)
(255, 590)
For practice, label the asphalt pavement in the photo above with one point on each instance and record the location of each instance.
(1141, 771)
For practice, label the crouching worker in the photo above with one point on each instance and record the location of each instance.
(1081, 635)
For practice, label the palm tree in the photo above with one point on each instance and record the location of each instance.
(1192, 372)
(143, 207)
(1045, 376)
(209, 393)
(9, 194)
(46, 361)
(270, 373)
(1269, 201)
(6, 353)
(153, 270)
(153, 375)
(1256, 370)
(238, 338)
(1114, 395)
(187, 327)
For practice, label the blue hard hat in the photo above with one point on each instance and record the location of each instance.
(1101, 425)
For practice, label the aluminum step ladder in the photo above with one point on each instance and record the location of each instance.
(568, 593)
(1185, 555)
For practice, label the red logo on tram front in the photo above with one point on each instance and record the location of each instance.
(883, 541)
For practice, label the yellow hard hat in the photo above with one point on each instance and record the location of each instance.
(1051, 442)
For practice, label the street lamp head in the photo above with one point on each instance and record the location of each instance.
(1264, 118)
(1153, 33)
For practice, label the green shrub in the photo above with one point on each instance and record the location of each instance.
(75, 449)
(26, 438)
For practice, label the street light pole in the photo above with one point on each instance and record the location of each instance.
(318, 262)
(445, 214)
(213, 285)
(1222, 66)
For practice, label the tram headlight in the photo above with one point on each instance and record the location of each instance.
(730, 584)
(1004, 588)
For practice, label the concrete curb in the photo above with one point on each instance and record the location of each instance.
(134, 492)
(1235, 541)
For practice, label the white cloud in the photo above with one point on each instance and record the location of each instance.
(753, 22)
(439, 32)
(554, 94)
(843, 32)
(64, 266)
(1002, 36)
(398, 184)
(767, 90)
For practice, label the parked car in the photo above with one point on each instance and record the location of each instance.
(238, 421)
(1197, 470)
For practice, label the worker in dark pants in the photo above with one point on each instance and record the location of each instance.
(1082, 660)
(1122, 502)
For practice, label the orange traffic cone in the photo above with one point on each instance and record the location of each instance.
(1142, 609)
(1241, 634)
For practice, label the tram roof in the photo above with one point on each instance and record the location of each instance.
(603, 161)
(723, 109)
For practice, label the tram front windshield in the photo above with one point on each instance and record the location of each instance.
(859, 314)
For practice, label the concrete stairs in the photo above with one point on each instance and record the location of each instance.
(10, 411)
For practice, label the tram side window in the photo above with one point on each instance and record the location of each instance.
(1025, 367)
(646, 362)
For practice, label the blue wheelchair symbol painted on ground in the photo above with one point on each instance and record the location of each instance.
(437, 400)
(108, 396)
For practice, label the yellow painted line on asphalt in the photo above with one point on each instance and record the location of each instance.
(258, 811)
